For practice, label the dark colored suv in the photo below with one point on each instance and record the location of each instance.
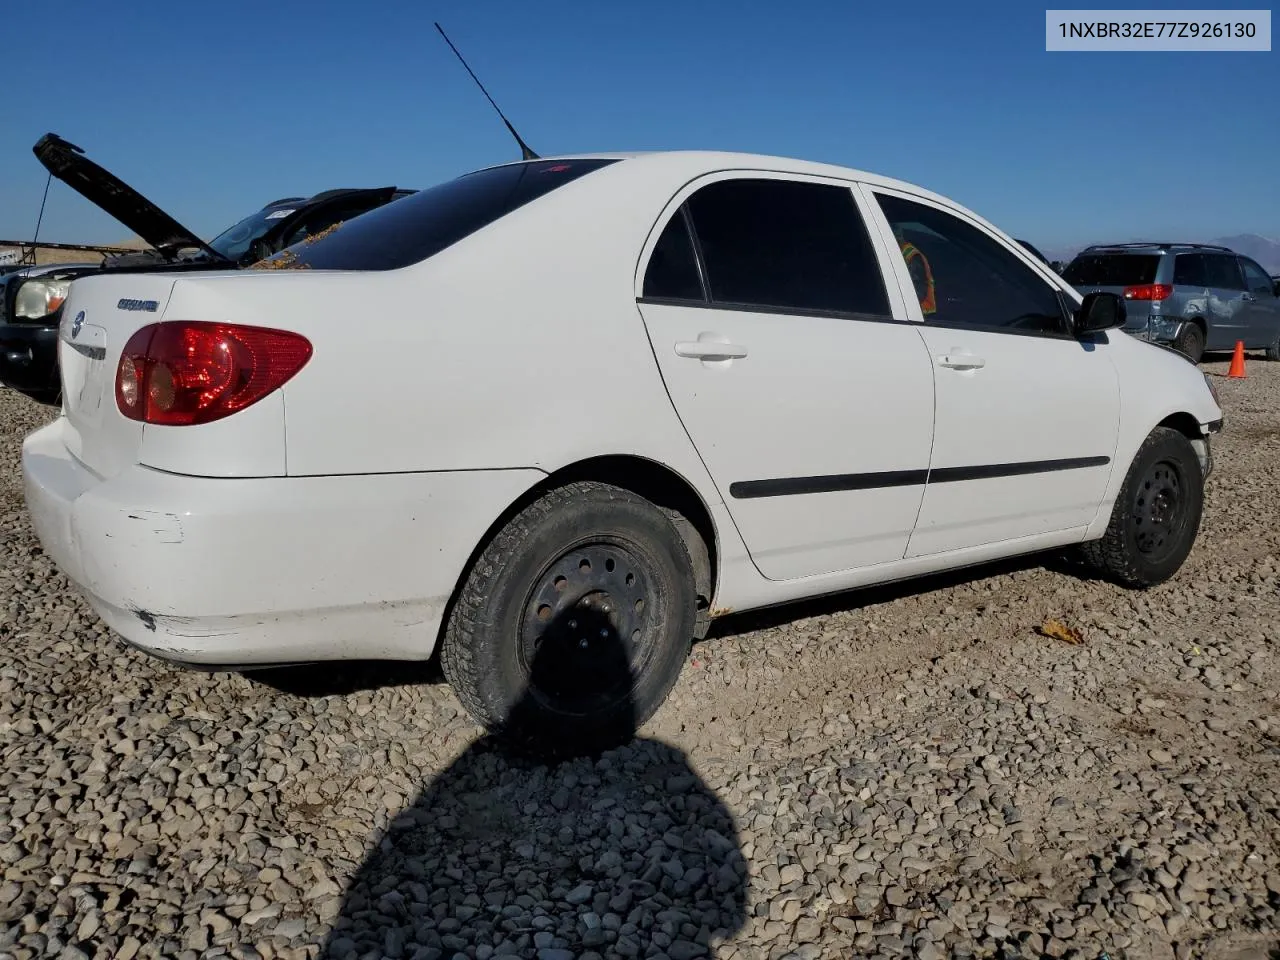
(1196, 297)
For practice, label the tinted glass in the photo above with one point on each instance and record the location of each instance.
(1188, 269)
(672, 273)
(418, 226)
(1223, 272)
(233, 243)
(1256, 279)
(787, 245)
(1112, 269)
(965, 277)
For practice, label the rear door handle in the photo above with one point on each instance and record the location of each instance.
(960, 361)
(710, 350)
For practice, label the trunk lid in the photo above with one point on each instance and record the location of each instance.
(68, 163)
(101, 313)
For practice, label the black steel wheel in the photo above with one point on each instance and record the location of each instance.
(1156, 515)
(574, 622)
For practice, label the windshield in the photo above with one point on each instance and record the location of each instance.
(234, 243)
(1112, 270)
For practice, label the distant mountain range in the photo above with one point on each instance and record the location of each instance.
(1265, 250)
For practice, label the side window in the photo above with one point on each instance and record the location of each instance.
(672, 273)
(1188, 270)
(1256, 279)
(964, 277)
(1224, 272)
(787, 245)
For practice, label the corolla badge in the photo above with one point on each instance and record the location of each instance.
(76, 324)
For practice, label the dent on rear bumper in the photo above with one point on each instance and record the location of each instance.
(269, 570)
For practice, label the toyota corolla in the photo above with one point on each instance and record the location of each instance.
(552, 417)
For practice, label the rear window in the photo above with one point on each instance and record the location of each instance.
(1112, 269)
(416, 227)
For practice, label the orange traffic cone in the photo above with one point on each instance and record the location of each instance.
(1237, 362)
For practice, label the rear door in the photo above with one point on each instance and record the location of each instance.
(1262, 307)
(1027, 415)
(795, 371)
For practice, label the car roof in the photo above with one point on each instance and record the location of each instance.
(1143, 247)
(699, 162)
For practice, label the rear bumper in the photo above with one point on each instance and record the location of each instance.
(29, 359)
(243, 572)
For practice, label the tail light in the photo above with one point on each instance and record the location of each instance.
(186, 372)
(1149, 291)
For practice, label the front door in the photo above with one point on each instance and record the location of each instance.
(1027, 415)
(1261, 306)
(810, 402)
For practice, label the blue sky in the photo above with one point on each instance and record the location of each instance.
(211, 111)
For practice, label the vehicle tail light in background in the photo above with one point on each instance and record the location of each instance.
(184, 372)
(1149, 291)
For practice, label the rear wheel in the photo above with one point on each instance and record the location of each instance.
(1156, 516)
(574, 622)
(1191, 342)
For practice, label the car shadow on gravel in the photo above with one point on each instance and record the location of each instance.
(772, 617)
(623, 851)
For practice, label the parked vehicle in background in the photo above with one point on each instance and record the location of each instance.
(617, 396)
(29, 351)
(173, 247)
(1196, 297)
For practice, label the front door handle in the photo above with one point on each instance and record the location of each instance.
(710, 350)
(960, 361)
(1249, 297)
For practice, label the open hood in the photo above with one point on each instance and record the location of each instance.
(68, 163)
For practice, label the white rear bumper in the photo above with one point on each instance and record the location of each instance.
(229, 572)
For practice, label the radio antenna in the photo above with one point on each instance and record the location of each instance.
(526, 153)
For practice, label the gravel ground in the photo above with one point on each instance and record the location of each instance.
(902, 772)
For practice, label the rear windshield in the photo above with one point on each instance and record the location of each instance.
(1112, 269)
(413, 228)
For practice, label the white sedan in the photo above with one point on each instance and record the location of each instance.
(552, 417)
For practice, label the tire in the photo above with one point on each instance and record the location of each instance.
(1273, 349)
(1156, 516)
(1191, 342)
(584, 562)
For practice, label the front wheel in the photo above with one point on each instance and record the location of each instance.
(573, 624)
(1156, 516)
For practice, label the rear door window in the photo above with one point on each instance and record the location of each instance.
(672, 273)
(418, 226)
(1189, 270)
(787, 245)
(1112, 269)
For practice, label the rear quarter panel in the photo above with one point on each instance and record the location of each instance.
(521, 346)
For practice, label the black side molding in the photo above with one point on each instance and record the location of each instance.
(795, 486)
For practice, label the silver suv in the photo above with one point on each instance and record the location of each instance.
(1194, 296)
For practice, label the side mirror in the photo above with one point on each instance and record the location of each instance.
(1100, 311)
